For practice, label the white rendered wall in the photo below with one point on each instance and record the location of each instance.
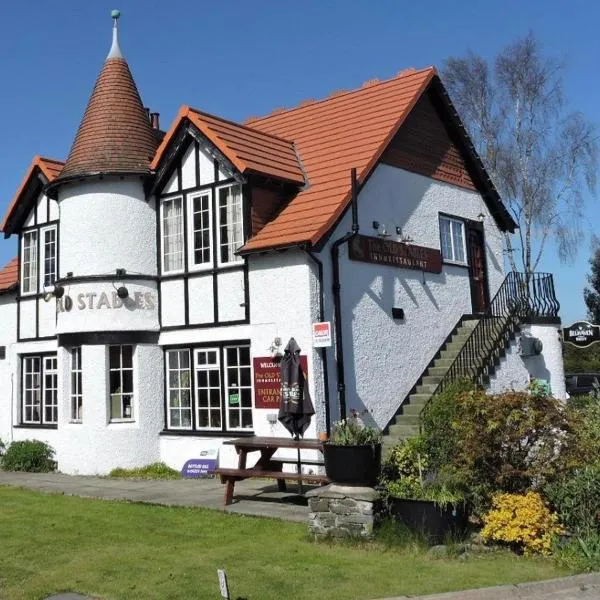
(8, 337)
(515, 371)
(106, 225)
(384, 357)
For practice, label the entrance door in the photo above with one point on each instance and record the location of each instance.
(477, 269)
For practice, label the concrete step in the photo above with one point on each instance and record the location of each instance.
(437, 371)
(405, 419)
(401, 431)
(411, 409)
(432, 379)
(426, 388)
(419, 398)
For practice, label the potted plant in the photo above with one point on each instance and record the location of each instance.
(353, 453)
(425, 503)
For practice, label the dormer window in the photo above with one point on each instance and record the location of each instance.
(30, 259)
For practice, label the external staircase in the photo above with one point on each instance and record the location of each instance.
(475, 346)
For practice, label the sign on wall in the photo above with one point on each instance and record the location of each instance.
(202, 466)
(581, 334)
(379, 251)
(267, 381)
(321, 334)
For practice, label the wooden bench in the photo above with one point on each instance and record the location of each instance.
(267, 466)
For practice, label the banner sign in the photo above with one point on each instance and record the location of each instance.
(267, 381)
(395, 254)
(581, 334)
(200, 467)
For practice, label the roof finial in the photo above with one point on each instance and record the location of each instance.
(115, 51)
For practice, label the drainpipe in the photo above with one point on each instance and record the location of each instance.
(337, 299)
(323, 352)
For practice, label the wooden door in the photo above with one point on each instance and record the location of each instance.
(477, 269)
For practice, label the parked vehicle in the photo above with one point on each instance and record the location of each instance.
(581, 383)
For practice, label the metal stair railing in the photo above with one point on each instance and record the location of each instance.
(521, 296)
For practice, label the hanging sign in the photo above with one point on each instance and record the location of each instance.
(202, 466)
(321, 334)
(581, 334)
(267, 381)
(379, 251)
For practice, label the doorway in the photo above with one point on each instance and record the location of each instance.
(477, 268)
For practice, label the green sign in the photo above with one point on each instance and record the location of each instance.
(234, 399)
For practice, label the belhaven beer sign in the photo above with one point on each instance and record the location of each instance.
(267, 381)
(581, 334)
(396, 254)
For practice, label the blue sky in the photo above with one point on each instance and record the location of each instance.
(242, 58)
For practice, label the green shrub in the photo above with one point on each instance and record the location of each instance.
(157, 470)
(579, 554)
(2, 450)
(353, 432)
(29, 455)
(577, 501)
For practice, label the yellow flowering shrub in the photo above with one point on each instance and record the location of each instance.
(523, 521)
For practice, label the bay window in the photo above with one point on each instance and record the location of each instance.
(210, 392)
(39, 390)
(120, 359)
(452, 235)
(172, 234)
(30, 260)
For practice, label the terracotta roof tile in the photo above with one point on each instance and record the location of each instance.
(332, 136)
(115, 135)
(9, 276)
(49, 167)
(248, 149)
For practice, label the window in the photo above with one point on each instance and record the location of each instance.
(221, 396)
(231, 232)
(120, 359)
(40, 390)
(453, 239)
(201, 230)
(238, 387)
(48, 257)
(172, 234)
(178, 377)
(76, 386)
(30, 258)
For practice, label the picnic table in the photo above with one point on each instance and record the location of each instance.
(268, 467)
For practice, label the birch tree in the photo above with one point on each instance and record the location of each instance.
(541, 156)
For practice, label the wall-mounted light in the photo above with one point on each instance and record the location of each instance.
(398, 230)
(58, 291)
(480, 217)
(121, 272)
(122, 292)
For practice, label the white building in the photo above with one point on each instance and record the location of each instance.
(157, 273)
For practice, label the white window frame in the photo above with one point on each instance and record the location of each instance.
(237, 259)
(42, 266)
(180, 388)
(162, 234)
(207, 367)
(453, 243)
(120, 369)
(239, 387)
(43, 396)
(76, 391)
(192, 266)
(33, 274)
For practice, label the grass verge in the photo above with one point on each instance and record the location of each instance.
(118, 550)
(158, 470)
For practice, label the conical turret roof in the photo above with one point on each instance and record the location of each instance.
(115, 135)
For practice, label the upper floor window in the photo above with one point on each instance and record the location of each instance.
(201, 251)
(231, 230)
(452, 234)
(172, 234)
(30, 260)
(48, 256)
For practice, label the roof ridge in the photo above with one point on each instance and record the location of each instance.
(241, 125)
(54, 160)
(370, 83)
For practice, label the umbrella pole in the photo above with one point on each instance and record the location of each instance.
(299, 470)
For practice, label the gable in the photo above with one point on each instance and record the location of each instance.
(424, 145)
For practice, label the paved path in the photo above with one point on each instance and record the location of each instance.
(252, 496)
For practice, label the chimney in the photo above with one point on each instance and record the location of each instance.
(155, 120)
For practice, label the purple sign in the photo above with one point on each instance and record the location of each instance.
(200, 467)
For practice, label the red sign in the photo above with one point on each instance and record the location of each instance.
(267, 381)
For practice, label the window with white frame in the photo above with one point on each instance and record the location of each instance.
(172, 234)
(231, 225)
(452, 234)
(179, 415)
(120, 359)
(30, 260)
(201, 230)
(76, 386)
(48, 256)
(221, 396)
(40, 390)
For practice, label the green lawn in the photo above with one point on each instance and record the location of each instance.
(120, 550)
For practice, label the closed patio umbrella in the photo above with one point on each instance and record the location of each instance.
(295, 408)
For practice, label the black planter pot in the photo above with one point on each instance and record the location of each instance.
(432, 521)
(353, 465)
